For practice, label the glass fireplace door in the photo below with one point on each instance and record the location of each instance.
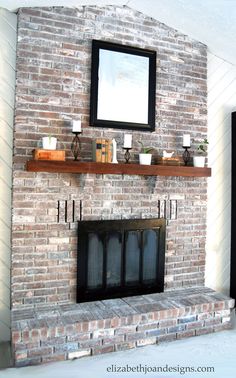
(120, 258)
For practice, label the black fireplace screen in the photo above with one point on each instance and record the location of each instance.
(120, 258)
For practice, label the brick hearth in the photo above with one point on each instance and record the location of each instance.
(61, 332)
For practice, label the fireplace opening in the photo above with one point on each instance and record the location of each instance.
(118, 258)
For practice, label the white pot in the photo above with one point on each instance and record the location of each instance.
(145, 159)
(49, 143)
(199, 161)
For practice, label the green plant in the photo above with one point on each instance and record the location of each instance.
(145, 150)
(202, 146)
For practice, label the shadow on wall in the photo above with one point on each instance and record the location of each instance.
(219, 201)
(5, 355)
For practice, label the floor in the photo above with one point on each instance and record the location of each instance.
(216, 351)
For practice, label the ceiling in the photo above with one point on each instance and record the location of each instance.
(212, 22)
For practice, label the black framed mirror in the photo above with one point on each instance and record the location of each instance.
(123, 87)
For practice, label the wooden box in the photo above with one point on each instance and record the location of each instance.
(40, 154)
(178, 160)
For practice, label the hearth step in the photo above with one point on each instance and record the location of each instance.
(46, 333)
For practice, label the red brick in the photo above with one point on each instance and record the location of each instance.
(40, 352)
(184, 334)
(16, 337)
(103, 349)
(124, 346)
(54, 358)
(205, 330)
(166, 338)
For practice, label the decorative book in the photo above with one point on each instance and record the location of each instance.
(102, 150)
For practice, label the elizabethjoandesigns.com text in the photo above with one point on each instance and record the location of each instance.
(147, 369)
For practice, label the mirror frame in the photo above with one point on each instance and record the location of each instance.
(98, 45)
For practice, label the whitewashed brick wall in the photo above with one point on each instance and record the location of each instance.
(53, 87)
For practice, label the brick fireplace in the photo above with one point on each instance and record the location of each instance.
(53, 86)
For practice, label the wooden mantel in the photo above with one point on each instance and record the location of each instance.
(71, 166)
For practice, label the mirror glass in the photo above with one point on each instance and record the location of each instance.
(122, 87)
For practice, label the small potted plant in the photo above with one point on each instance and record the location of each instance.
(145, 157)
(49, 142)
(199, 161)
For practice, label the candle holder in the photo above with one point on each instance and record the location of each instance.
(186, 155)
(76, 145)
(127, 154)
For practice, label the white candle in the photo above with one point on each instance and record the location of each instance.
(76, 128)
(114, 157)
(186, 140)
(128, 141)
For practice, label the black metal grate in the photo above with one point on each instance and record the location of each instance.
(120, 258)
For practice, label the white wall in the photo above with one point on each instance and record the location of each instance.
(221, 102)
(8, 23)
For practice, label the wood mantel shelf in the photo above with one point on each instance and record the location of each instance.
(71, 166)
